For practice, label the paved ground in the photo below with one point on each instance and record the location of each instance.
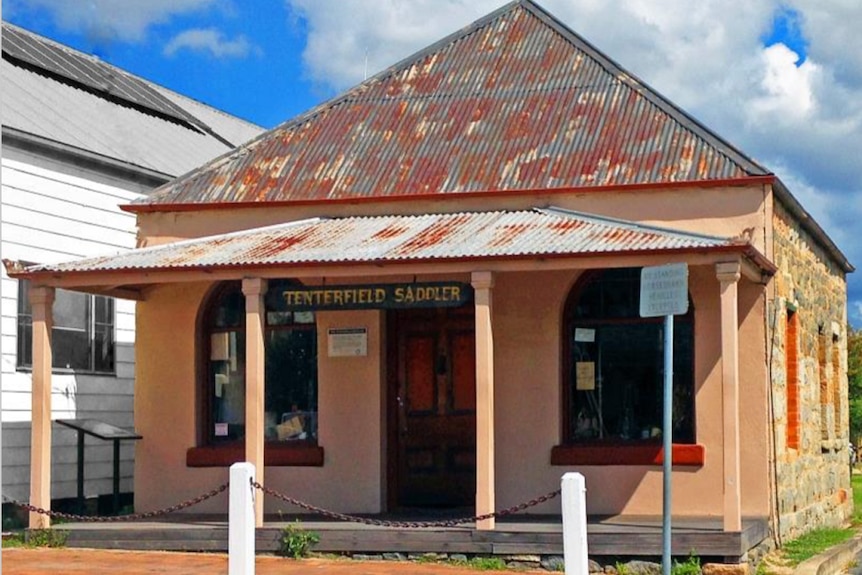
(21, 561)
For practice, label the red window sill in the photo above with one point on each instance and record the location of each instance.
(275, 455)
(626, 454)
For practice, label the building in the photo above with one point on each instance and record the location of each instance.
(81, 137)
(428, 288)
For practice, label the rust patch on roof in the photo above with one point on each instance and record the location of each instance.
(389, 232)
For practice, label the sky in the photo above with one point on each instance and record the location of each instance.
(780, 79)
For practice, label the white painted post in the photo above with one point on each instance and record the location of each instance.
(241, 520)
(575, 524)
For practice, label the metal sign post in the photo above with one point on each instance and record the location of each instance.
(664, 292)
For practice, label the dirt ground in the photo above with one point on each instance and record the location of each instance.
(23, 561)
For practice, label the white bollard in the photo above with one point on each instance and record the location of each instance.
(574, 504)
(241, 520)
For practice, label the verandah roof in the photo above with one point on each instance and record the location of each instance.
(539, 233)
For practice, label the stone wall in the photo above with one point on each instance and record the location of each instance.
(813, 478)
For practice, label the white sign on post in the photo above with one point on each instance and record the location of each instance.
(664, 290)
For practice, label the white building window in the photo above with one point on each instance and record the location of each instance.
(83, 334)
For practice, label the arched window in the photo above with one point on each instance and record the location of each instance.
(614, 364)
(290, 404)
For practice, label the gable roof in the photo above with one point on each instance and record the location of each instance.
(59, 96)
(536, 233)
(515, 101)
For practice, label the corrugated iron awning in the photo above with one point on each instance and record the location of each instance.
(526, 234)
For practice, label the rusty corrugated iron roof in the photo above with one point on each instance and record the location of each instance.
(536, 233)
(516, 101)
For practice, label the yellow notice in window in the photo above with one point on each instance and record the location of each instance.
(585, 375)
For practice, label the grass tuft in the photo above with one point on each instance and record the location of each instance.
(814, 542)
(856, 484)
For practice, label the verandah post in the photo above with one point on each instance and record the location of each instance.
(42, 301)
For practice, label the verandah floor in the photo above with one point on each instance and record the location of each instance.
(620, 535)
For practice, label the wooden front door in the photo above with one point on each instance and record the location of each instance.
(432, 355)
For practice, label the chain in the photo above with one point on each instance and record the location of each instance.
(297, 503)
(117, 518)
(407, 524)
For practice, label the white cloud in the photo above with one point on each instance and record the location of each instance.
(833, 27)
(112, 20)
(209, 40)
(345, 34)
(788, 88)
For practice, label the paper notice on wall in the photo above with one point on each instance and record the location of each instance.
(585, 372)
(585, 334)
(348, 342)
(220, 381)
(221, 430)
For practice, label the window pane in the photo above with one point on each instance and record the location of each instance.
(624, 401)
(615, 385)
(104, 309)
(276, 306)
(70, 310)
(230, 309)
(227, 386)
(615, 294)
(103, 349)
(24, 298)
(291, 384)
(71, 349)
(306, 317)
(25, 325)
(279, 318)
(75, 343)
(25, 342)
(290, 402)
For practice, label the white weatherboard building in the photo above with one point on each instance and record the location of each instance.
(81, 137)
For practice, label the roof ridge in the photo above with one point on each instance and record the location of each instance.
(215, 109)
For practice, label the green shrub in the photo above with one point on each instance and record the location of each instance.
(296, 542)
(46, 537)
(14, 540)
(486, 563)
(690, 566)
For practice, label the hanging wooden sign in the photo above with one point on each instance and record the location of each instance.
(378, 296)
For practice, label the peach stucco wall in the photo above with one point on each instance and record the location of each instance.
(528, 310)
